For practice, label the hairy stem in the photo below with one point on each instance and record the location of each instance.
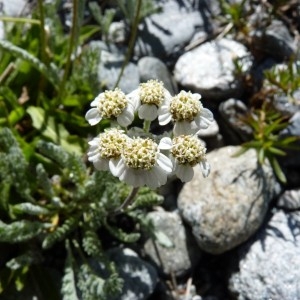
(72, 44)
(134, 28)
(130, 198)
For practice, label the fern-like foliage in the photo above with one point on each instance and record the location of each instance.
(13, 166)
(61, 201)
(20, 231)
(68, 289)
(60, 233)
(25, 259)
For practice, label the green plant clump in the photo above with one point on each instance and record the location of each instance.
(266, 123)
(67, 210)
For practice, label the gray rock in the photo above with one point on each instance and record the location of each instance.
(292, 159)
(235, 130)
(269, 266)
(140, 278)
(287, 106)
(182, 255)
(209, 69)
(290, 199)
(117, 32)
(228, 206)
(12, 8)
(274, 40)
(154, 68)
(110, 68)
(210, 131)
(166, 32)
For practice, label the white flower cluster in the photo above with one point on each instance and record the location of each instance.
(140, 160)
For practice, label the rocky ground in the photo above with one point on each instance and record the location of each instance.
(235, 234)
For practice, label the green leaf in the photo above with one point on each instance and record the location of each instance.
(68, 288)
(51, 130)
(37, 115)
(16, 115)
(61, 232)
(240, 151)
(51, 72)
(276, 151)
(30, 209)
(96, 11)
(87, 31)
(277, 169)
(20, 231)
(120, 234)
(22, 260)
(253, 144)
(289, 140)
(261, 155)
(163, 239)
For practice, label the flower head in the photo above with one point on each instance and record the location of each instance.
(107, 146)
(111, 105)
(141, 163)
(187, 112)
(186, 151)
(148, 97)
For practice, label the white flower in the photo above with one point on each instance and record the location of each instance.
(111, 105)
(107, 146)
(186, 151)
(187, 112)
(148, 97)
(141, 163)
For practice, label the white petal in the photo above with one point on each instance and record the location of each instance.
(204, 119)
(126, 117)
(168, 96)
(205, 168)
(151, 180)
(113, 166)
(164, 119)
(165, 143)
(94, 142)
(161, 175)
(183, 127)
(196, 96)
(93, 116)
(117, 167)
(147, 112)
(94, 156)
(93, 149)
(134, 98)
(184, 172)
(130, 177)
(207, 114)
(164, 162)
(101, 164)
(140, 177)
(96, 100)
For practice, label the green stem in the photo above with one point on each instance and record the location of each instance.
(42, 33)
(43, 45)
(146, 125)
(72, 42)
(130, 198)
(134, 28)
(20, 20)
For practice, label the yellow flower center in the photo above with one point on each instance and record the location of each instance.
(112, 103)
(111, 143)
(152, 92)
(188, 149)
(140, 153)
(185, 107)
